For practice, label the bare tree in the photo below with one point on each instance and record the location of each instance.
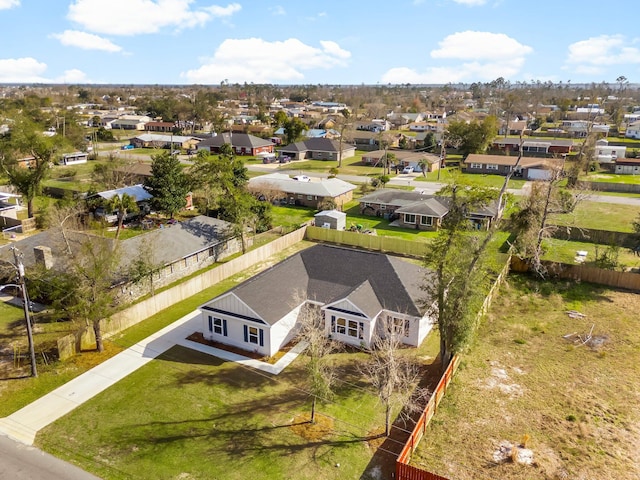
(393, 375)
(321, 374)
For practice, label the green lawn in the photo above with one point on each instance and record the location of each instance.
(564, 251)
(217, 420)
(611, 178)
(600, 216)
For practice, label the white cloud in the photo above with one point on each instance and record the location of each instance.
(471, 45)
(278, 10)
(134, 17)
(589, 57)
(471, 3)
(484, 56)
(259, 61)
(86, 41)
(7, 4)
(217, 11)
(22, 70)
(30, 70)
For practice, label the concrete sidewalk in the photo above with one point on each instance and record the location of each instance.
(24, 424)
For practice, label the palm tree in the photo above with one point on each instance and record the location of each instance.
(423, 166)
(124, 204)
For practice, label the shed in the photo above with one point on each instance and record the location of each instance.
(331, 219)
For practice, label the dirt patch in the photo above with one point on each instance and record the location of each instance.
(319, 430)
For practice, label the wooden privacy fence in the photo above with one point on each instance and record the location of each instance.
(611, 278)
(404, 471)
(369, 242)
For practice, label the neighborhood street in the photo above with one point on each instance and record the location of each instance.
(23, 462)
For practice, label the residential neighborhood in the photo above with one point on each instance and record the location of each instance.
(320, 284)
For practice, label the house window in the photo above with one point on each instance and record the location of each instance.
(409, 218)
(475, 165)
(218, 326)
(400, 326)
(383, 207)
(309, 197)
(492, 166)
(351, 328)
(425, 220)
(300, 196)
(254, 335)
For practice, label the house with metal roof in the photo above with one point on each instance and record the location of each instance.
(313, 193)
(241, 143)
(358, 294)
(158, 140)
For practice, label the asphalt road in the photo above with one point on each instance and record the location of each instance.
(21, 462)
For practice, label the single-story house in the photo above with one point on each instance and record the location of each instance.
(627, 166)
(138, 192)
(164, 127)
(9, 205)
(530, 168)
(295, 192)
(512, 127)
(359, 295)
(404, 158)
(74, 158)
(241, 143)
(606, 153)
(174, 250)
(157, 140)
(413, 209)
(533, 146)
(130, 122)
(633, 130)
(318, 149)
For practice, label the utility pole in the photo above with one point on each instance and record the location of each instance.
(443, 155)
(25, 305)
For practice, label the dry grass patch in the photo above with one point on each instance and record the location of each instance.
(320, 429)
(566, 383)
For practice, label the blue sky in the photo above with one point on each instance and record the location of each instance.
(329, 42)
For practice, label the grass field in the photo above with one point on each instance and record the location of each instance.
(218, 420)
(576, 403)
(601, 216)
(564, 251)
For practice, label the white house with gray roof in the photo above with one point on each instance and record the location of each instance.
(309, 194)
(357, 292)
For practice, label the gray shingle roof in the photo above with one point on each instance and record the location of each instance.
(327, 274)
(316, 145)
(235, 140)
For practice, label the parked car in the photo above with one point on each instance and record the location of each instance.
(301, 178)
(128, 147)
(407, 169)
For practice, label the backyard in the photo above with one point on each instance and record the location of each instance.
(563, 385)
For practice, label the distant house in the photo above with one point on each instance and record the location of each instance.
(606, 153)
(358, 294)
(241, 143)
(534, 146)
(294, 192)
(318, 149)
(627, 166)
(74, 158)
(512, 127)
(156, 140)
(633, 130)
(530, 168)
(404, 158)
(163, 127)
(130, 122)
(411, 209)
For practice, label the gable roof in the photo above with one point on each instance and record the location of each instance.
(525, 162)
(533, 141)
(326, 187)
(136, 191)
(235, 140)
(325, 274)
(317, 144)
